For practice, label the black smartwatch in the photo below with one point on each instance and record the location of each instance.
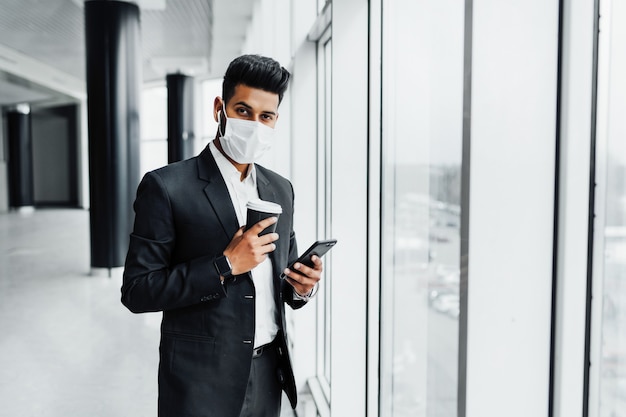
(222, 265)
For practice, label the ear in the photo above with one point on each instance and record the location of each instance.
(218, 104)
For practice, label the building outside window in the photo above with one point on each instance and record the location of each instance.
(422, 97)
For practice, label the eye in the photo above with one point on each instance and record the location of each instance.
(267, 117)
(242, 111)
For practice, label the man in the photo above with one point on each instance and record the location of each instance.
(223, 348)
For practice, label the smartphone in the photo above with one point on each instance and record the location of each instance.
(319, 248)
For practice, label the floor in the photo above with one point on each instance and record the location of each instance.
(68, 346)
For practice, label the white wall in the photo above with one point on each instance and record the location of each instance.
(303, 145)
(269, 34)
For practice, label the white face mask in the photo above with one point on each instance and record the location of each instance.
(245, 141)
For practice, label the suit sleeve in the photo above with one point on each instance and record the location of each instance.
(287, 289)
(150, 282)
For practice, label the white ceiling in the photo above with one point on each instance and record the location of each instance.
(197, 37)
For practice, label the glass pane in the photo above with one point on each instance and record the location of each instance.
(153, 148)
(153, 154)
(324, 204)
(422, 138)
(327, 232)
(210, 90)
(612, 355)
(154, 113)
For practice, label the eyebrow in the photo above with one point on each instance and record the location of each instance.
(246, 105)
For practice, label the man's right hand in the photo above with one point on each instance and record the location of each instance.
(247, 249)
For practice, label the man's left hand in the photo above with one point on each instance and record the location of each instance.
(306, 278)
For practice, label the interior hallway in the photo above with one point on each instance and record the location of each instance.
(68, 346)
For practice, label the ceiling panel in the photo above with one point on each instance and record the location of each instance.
(50, 31)
(178, 37)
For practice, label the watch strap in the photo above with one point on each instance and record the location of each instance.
(223, 267)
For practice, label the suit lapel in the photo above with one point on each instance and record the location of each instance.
(217, 193)
(266, 192)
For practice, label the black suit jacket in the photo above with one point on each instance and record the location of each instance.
(184, 219)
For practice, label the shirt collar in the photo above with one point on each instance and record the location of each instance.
(227, 169)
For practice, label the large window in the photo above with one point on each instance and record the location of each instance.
(422, 137)
(154, 122)
(153, 128)
(608, 386)
(210, 89)
(324, 205)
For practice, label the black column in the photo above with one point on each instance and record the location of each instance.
(113, 97)
(20, 161)
(180, 136)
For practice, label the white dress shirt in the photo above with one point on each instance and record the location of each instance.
(241, 192)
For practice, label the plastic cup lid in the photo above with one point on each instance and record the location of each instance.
(264, 206)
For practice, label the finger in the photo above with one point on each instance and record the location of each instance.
(317, 262)
(307, 271)
(268, 238)
(263, 224)
(295, 283)
(270, 247)
(292, 273)
(291, 276)
(299, 275)
(301, 288)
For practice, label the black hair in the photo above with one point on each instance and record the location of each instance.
(257, 72)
